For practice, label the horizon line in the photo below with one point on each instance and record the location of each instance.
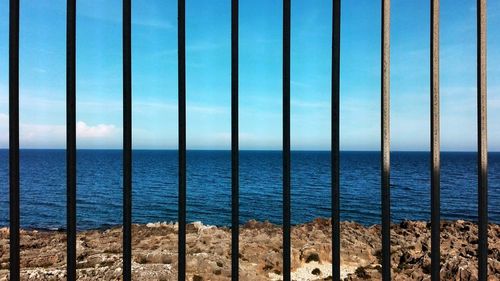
(251, 149)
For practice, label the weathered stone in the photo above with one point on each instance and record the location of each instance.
(209, 252)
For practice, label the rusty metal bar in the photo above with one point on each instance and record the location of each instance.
(127, 140)
(335, 139)
(435, 143)
(14, 139)
(181, 41)
(235, 211)
(286, 142)
(385, 141)
(71, 139)
(482, 142)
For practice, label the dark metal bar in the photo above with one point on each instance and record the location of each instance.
(127, 140)
(286, 143)
(385, 142)
(435, 144)
(235, 185)
(482, 142)
(14, 138)
(71, 139)
(336, 139)
(181, 41)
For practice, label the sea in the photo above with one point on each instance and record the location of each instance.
(155, 187)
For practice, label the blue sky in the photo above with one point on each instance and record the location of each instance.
(99, 75)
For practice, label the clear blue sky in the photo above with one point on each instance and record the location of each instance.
(99, 75)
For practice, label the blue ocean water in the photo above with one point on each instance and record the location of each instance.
(99, 193)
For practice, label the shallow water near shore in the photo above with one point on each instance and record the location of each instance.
(99, 195)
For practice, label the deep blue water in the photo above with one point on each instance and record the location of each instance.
(99, 201)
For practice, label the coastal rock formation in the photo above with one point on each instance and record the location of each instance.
(209, 252)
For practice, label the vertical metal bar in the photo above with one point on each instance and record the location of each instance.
(286, 142)
(336, 139)
(435, 144)
(127, 140)
(482, 133)
(235, 211)
(71, 139)
(14, 138)
(181, 41)
(385, 142)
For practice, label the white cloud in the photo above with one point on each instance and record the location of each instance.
(33, 135)
(54, 136)
(99, 131)
(4, 127)
(4, 94)
(40, 135)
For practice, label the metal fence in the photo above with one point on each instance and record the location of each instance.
(335, 137)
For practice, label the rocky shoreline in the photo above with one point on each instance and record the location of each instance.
(209, 252)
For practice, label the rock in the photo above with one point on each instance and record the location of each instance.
(312, 257)
(209, 252)
(197, 278)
